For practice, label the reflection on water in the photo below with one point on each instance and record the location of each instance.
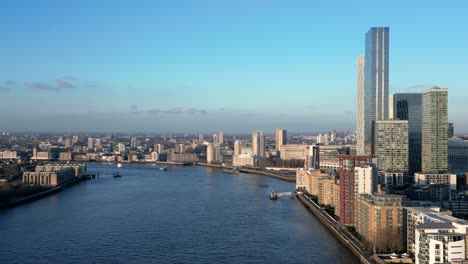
(183, 215)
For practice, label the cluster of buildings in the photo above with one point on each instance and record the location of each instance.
(403, 186)
(52, 175)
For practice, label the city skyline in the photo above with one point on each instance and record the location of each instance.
(209, 66)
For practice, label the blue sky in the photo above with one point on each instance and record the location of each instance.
(202, 66)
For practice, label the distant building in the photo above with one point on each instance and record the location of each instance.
(213, 153)
(458, 153)
(329, 156)
(182, 157)
(423, 179)
(292, 152)
(281, 138)
(220, 137)
(134, 143)
(90, 143)
(121, 147)
(8, 155)
(65, 156)
(450, 130)
(434, 130)
(245, 159)
(312, 157)
(258, 144)
(40, 155)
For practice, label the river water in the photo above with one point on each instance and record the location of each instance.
(183, 215)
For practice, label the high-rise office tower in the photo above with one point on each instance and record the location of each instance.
(312, 157)
(200, 138)
(390, 145)
(281, 137)
(360, 107)
(375, 81)
(434, 130)
(408, 106)
(215, 138)
(258, 144)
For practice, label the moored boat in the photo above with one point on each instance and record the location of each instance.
(117, 174)
(273, 196)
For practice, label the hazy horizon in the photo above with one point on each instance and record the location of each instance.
(204, 66)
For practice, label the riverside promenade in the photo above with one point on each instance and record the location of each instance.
(253, 171)
(339, 232)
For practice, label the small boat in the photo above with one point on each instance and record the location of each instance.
(162, 168)
(273, 196)
(119, 165)
(117, 174)
(231, 171)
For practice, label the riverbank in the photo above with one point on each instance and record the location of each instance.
(264, 173)
(37, 196)
(334, 229)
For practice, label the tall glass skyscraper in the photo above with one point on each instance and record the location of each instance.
(375, 80)
(408, 106)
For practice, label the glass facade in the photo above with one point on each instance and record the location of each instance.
(376, 80)
(408, 106)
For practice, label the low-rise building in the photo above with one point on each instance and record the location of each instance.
(423, 179)
(183, 157)
(292, 152)
(8, 155)
(245, 159)
(65, 156)
(52, 174)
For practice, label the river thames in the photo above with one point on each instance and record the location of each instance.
(183, 215)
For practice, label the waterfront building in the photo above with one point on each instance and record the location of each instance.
(379, 220)
(423, 179)
(376, 80)
(244, 159)
(258, 144)
(408, 106)
(213, 153)
(458, 153)
(390, 145)
(237, 148)
(292, 152)
(281, 138)
(357, 174)
(360, 106)
(310, 181)
(52, 174)
(160, 148)
(182, 157)
(434, 130)
(329, 191)
(312, 157)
